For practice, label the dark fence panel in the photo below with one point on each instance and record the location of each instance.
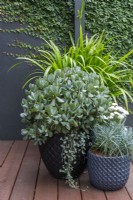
(11, 92)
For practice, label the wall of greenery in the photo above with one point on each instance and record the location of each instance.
(53, 19)
(47, 19)
(115, 18)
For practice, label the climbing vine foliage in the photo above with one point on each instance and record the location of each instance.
(47, 19)
(53, 19)
(115, 18)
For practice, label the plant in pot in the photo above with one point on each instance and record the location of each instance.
(109, 157)
(92, 55)
(58, 112)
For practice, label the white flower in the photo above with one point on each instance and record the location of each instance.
(126, 112)
(112, 114)
(111, 117)
(120, 109)
(104, 117)
(116, 113)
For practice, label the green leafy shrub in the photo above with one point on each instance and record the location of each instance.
(68, 101)
(61, 102)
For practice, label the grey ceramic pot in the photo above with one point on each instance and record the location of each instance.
(108, 173)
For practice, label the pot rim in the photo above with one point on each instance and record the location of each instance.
(107, 157)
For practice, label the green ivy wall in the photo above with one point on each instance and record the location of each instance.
(115, 18)
(53, 19)
(47, 19)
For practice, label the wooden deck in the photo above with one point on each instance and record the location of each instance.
(23, 176)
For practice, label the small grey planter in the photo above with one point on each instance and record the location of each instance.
(108, 173)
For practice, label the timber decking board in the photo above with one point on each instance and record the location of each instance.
(129, 185)
(118, 195)
(10, 168)
(24, 177)
(46, 188)
(66, 193)
(4, 149)
(91, 193)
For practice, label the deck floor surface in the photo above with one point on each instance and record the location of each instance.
(23, 176)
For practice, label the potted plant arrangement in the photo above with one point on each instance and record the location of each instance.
(66, 101)
(109, 157)
(92, 55)
(59, 110)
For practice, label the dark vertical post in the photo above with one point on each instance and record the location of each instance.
(78, 6)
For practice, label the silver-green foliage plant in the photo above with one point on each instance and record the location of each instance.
(67, 101)
(113, 138)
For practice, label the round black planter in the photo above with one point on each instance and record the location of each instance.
(51, 156)
(108, 173)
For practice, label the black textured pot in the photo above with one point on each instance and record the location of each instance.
(108, 173)
(51, 156)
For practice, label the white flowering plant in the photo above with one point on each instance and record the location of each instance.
(113, 138)
(115, 113)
